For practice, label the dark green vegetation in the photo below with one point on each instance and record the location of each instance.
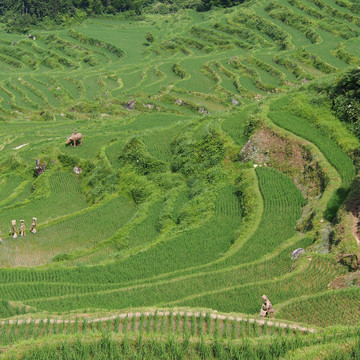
(214, 145)
(20, 15)
(344, 95)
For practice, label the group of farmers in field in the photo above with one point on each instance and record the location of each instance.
(22, 230)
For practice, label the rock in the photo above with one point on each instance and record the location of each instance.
(203, 111)
(77, 170)
(234, 102)
(178, 102)
(258, 97)
(130, 105)
(39, 168)
(296, 253)
(149, 106)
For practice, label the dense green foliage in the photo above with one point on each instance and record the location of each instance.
(344, 95)
(20, 15)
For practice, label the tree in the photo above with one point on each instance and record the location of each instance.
(345, 95)
(96, 6)
(149, 37)
(208, 4)
(137, 6)
(121, 5)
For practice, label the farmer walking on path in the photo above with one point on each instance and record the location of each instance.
(266, 308)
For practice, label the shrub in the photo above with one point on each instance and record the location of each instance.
(345, 96)
(251, 125)
(102, 180)
(61, 257)
(134, 154)
(149, 37)
(68, 161)
(193, 156)
(179, 71)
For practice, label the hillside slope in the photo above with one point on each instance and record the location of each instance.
(209, 155)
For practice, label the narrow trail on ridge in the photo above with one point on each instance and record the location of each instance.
(166, 314)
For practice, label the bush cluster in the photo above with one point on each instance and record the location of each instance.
(98, 43)
(192, 157)
(135, 154)
(21, 15)
(314, 60)
(179, 71)
(265, 26)
(345, 95)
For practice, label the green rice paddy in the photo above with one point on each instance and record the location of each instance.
(157, 209)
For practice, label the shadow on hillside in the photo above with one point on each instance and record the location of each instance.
(335, 202)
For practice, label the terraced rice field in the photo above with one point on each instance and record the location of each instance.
(165, 215)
